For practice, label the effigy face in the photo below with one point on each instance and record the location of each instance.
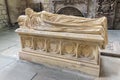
(68, 40)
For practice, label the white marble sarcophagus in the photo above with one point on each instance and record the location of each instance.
(65, 41)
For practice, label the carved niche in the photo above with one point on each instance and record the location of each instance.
(39, 43)
(86, 51)
(53, 46)
(68, 47)
(27, 42)
(77, 50)
(70, 11)
(70, 7)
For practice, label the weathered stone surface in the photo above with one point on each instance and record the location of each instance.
(2, 17)
(52, 39)
(4, 12)
(16, 8)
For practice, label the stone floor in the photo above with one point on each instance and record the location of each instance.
(11, 68)
(113, 47)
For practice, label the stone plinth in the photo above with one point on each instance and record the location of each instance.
(76, 51)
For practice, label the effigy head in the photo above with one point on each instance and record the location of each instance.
(21, 20)
(29, 12)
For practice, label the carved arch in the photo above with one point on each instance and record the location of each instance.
(68, 10)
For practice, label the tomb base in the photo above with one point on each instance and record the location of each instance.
(84, 67)
(67, 50)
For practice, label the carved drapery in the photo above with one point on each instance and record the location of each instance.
(45, 21)
(68, 47)
(53, 39)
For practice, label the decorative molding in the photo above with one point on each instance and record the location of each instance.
(75, 49)
(53, 46)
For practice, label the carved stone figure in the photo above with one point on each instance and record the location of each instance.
(22, 20)
(62, 40)
(53, 22)
(31, 19)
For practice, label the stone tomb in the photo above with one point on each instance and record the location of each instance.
(64, 41)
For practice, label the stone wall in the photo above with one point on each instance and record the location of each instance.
(3, 14)
(16, 8)
(46, 5)
(107, 8)
(36, 5)
(117, 16)
(93, 8)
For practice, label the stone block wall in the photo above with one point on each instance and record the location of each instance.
(117, 16)
(16, 8)
(3, 14)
